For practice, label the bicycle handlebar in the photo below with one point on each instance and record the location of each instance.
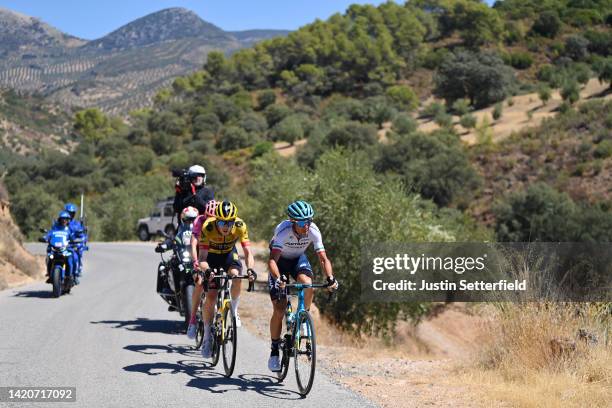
(221, 274)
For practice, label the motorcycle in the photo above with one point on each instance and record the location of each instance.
(175, 274)
(58, 251)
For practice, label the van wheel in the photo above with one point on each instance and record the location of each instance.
(143, 233)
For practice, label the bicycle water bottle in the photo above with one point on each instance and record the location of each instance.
(289, 312)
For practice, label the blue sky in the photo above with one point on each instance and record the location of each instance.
(93, 19)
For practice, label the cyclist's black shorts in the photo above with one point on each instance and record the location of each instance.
(225, 261)
(289, 267)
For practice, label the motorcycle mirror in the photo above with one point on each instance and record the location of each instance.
(44, 231)
(42, 239)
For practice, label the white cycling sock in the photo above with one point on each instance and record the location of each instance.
(235, 303)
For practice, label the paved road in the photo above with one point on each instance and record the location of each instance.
(114, 340)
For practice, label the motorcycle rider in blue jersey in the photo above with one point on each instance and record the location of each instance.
(78, 229)
(62, 224)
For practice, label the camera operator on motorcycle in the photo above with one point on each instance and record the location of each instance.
(179, 244)
(191, 190)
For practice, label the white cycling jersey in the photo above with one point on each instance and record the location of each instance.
(293, 246)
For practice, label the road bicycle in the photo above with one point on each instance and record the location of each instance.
(224, 331)
(299, 340)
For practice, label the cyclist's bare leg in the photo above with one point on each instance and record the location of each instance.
(276, 321)
(308, 293)
(235, 289)
(195, 298)
(209, 307)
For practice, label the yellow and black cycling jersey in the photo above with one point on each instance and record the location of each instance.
(212, 240)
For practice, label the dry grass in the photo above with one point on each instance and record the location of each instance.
(535, 357)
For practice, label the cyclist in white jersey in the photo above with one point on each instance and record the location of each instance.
(287, 257)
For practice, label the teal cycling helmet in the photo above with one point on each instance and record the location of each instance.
(300, 210)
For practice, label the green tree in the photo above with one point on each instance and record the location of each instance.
(289, 129)
(404, 124)
(92, 124)
(434, 165)
(538, 214)
(352, 134)
(547, 24)
(266, 98)
(403, 96)
(234, 137)
(576, 47)
(32, 208)
(482, 78)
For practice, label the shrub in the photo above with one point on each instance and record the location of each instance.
(497, 111)
(433, 109)
(275, 113)
(544, 93)
(603, 149)
(434, 165)
(352, 134)
(547, 24)
(265, 98)
(289, 129)
(570, 92)
(519, 60)
(443, 120)
(403, 96)
(468, 121)
(262, 148)
(576, 47)
(461, 106)
(234, 137)
(404, 124)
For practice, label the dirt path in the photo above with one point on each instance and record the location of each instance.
(516, 117)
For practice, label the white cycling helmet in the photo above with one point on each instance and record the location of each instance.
(189, 214)
(197, 170)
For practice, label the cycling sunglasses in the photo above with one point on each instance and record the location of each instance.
(222, 223)
(301, 223)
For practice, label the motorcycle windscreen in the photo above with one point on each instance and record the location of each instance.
(59, 240)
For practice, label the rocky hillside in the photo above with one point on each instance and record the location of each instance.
(28, 125)
(23, 34)
(16, 264)
(118, 72)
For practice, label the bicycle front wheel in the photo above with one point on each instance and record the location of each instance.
(230, 341)
(216, 342)
(199, 333)
(304, 352)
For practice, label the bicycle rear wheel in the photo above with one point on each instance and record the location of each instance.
(230, 341)
(304, 352)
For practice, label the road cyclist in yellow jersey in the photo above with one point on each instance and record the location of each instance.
(217, 244)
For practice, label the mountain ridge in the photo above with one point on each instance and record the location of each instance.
(118, 72)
